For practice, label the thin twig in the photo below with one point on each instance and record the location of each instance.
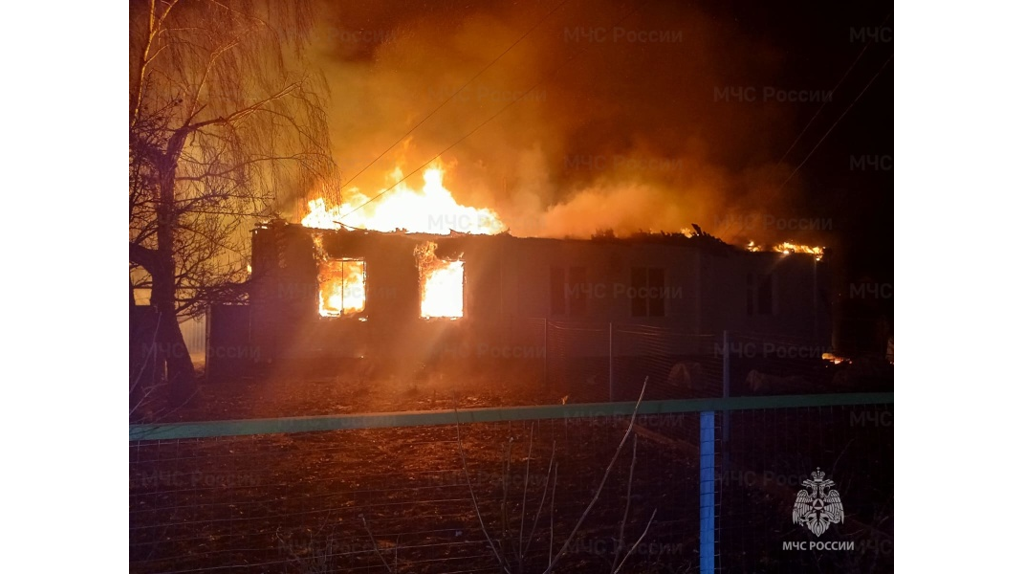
(526, 485)
(600, 486)
(374, 542)
(472, 496)
(506, 467)
(543, 498)
(551, 542)
(637, 543)
(398, 538)
(625, 514)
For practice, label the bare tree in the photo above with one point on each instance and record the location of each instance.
(222, 115)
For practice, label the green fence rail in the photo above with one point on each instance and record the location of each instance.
(209, 429)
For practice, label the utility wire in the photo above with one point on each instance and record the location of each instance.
(823, 104)
(821, 107)
(873, 78)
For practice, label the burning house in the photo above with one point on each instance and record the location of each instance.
(392, 286)
(349, 293)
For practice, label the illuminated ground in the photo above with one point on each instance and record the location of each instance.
(296, 503)
(348, 390)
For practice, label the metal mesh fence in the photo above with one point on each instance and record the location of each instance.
(678, 365)
(577, 360)
(770, 456)
(602, 362)
(711, 491)
(400, 500)
(763, 364)
(595, 362)
(732, 428)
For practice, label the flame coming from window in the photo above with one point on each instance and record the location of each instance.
(441, 283)
(431, 209)
(342, 287)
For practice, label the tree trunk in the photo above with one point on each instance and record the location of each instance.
(181, 375)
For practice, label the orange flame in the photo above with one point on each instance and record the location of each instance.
(835, 359)
(431, 209)
(342, 282)
(786, 248)
(342, 287)
(441, 283)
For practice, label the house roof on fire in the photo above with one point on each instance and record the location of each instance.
(700, 240)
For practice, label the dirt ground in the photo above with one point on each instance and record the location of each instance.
(346, 389)
(400, 500)
(289, 502)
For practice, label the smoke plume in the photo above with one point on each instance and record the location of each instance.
(630, 125)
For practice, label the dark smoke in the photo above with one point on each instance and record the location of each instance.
(628, 135)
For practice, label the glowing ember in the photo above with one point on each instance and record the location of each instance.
(431, 209)
(441, 283)
(786, 248)
(342, 287)
(835, 359)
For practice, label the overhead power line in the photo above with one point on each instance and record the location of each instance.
(823, 104)
(871, 81)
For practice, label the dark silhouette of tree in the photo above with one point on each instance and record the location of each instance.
(223, 113)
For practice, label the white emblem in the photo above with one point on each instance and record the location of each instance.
(820, 508)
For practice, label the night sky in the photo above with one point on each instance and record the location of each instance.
(849, 178)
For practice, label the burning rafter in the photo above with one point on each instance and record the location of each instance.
(786, 248)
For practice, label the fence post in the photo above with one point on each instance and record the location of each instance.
(814, 286)
(707, 492)
(547, 385)
(726, 391)
(611, 369)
